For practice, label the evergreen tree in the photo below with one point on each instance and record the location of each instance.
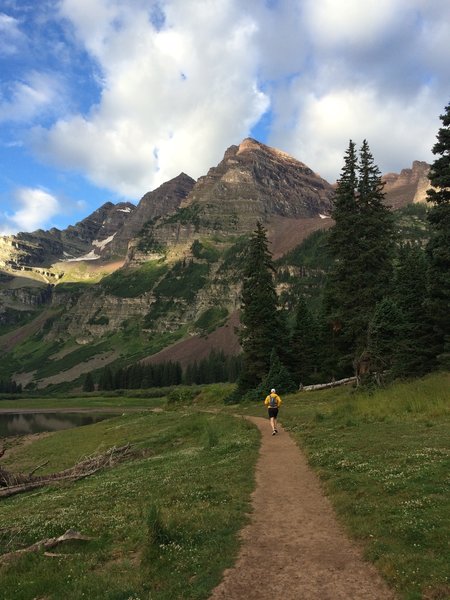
(416, 352)
(343, 280)
(188, 377)
(385, 335)
(259, 331)
(106, 380)
(278, 377)
(438, 248)
(88, 384)
(361, 243)
(376, 238)
(303, 344)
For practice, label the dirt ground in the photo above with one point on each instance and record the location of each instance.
(293, 548)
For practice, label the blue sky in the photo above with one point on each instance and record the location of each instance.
(104, 100)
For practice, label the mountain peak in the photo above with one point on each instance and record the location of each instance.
(254, 181)
(408, 186)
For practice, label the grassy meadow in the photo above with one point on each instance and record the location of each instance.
(164, 525)
(384, 459)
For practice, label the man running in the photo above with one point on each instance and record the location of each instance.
(273, 402)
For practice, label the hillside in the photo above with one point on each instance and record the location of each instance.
(165, 281)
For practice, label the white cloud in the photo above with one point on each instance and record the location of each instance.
(11, 38)
(321, 136)
(35, 209)
(24, 100)
(376, 73)
(172, 100)
(176, 90)
(352, 22)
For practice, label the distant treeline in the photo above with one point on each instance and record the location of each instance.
(8, 386)
(217, 367)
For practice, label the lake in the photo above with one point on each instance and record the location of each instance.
(24, 423)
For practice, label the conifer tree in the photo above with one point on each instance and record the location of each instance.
(88, 384)
(376, 236)
(259, 319)
(106, 380)
(303, 344)
(438, 248)
(385, 335)
(416, 354)
(361, 243)
(278, 377)
(343, 280)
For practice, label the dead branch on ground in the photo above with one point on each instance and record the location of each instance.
(15, 483)
(70, 534)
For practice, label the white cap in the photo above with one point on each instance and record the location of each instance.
(272, 391)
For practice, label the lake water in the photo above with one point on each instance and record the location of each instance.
(23, 423)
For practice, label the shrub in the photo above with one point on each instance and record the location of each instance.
(181, 394)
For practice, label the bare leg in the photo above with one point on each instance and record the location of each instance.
(273, 423)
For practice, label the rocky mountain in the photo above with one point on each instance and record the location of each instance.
(170, 282)
(40, 249)
(165, 200)
(252, 182)
(407, 187)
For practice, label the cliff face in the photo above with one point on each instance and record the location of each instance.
(256, 181)
(163, 201)
(185, 244)
(408, 186)
(252, 182)
(42, 248)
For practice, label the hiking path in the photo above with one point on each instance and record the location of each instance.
(293, 547)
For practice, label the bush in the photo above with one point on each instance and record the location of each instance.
(182, 394)
(211, 318)
(130, 283)
(157, 531)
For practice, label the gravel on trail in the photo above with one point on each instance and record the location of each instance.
(293, 547)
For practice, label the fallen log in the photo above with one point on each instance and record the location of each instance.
(331, 384)
(11, 484)
(70, 534)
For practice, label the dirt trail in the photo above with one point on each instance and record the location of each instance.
(293, 548)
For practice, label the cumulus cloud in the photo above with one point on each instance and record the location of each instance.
(173, 97)
(375, 75)
(11, 38)
(328, 121)
(35, 209)
(24, 100)
(180, 81)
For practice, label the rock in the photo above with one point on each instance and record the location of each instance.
(407, 187)
(42, 248)
(252, 182)
(163, 201)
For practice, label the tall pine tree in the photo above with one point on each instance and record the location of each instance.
(416, 354)
(375, 245)
(343, 280)
(438, 248)
(361, 243)
(303, 344)
(259, 331)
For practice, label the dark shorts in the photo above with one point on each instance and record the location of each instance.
(273, 412)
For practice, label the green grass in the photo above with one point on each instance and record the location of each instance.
(384, 461)
(12, 319)
(164, 525)
(81, 354)
(94, 400)
(183, 281)
(211, 318)
(130, 283)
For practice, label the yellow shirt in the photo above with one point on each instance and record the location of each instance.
(277, 399)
